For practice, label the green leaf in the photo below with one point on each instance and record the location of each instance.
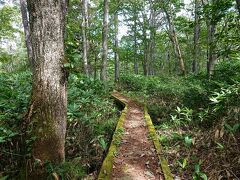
(2, 140)
(203, 176)
(197, 168)
(188, 140)
(67, 65)
(220, 146)
(236, 127)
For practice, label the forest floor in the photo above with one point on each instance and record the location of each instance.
(137, 157)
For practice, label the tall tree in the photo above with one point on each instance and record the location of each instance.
(25, 22)
(116, 50)
(135, 40)
(85, 35)
(173, 36)
(48, 107)
(145, 62)
(196, 36)
(211, 29)
(105, 41)
(152, 43)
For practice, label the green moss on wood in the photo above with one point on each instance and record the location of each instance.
(152, 133)
(106, 169)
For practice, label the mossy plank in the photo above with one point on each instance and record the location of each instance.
(163, 162)
(106, 169)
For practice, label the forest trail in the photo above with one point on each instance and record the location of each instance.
(136, 157)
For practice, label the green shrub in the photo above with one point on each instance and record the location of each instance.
(15, 91)
(227, 72)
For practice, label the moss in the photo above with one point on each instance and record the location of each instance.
(152, 133)
(106, 169)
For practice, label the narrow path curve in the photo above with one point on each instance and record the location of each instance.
(136, 158)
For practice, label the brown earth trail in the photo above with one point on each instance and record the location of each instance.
(136, 157)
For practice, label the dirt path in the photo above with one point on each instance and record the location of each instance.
(136, 158)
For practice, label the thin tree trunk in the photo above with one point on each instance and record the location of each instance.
(116, 23)
(48, 108)
(84, 35)
(95, 65)
(152, 50)
(25, 22)
(105, 42)
(211, 56)
(146, 47)
(173, 37)
(135, 54)
(211, 29)
(135, 39)
(196, 39)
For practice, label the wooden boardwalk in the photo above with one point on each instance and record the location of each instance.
(135, 152)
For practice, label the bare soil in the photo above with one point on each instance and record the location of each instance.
(136, 158)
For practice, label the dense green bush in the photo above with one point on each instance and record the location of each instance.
(165, 94)
(91, 119)
(15, 91)
(227, 72)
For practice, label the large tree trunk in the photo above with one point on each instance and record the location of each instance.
(85, 35)
(196, 39)
(25, 22)
(116, 47)
(174, 40)
(49, 99)
(105, 42)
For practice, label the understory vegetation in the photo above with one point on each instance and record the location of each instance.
(197, 119)
(91, 122)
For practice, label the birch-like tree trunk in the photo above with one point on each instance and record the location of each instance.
(105, 42)
(196, 50)
(25, 23)
(85, 35)
(48, 108)
(174, 40)
(116, 55)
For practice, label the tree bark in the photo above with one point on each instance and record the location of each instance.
(196, 39)
(25, 23)
(116, 23)
(105, 42)
(85, 35)
(49, 98)
(174, 39)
